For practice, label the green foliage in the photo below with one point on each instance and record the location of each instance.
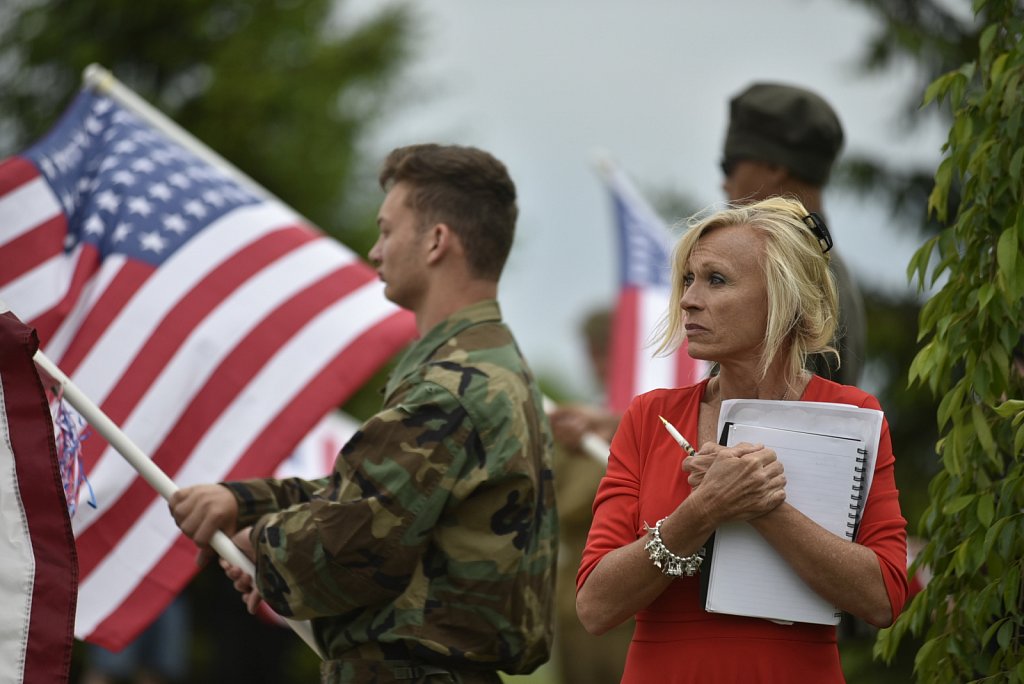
(275, 87)
(971, 614)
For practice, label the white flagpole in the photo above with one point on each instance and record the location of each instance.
(151, 472)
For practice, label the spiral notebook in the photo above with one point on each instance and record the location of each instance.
(828, 476)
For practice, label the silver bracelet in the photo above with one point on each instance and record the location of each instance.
(668, 562)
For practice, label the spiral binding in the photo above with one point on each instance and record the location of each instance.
(857, 496)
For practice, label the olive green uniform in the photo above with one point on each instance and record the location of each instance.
(432, 545)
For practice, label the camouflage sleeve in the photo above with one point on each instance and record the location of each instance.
(257, 498)
(359, 541)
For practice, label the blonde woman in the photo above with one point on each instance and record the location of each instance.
(753, 293)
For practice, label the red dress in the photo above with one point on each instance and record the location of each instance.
(675, 639)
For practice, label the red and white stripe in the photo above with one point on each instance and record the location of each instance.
(634, 368)
(215, 364)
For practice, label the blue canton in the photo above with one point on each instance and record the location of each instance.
(645, 247)
(127, 188)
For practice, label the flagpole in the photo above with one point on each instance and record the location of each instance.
(591, 443)
(151, 473)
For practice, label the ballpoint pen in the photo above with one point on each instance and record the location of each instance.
(680, 440)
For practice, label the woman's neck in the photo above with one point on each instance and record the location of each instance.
(747, 383)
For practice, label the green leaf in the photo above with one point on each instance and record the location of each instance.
(1004, 634)
(991, 631)
(1016, 162)
(986, 509)
(1011, 586)
(998, 64)
(985, 294)
(958, 504)
(1007, 251)
(985, 41)
(982, 430)
(937, 88)
(938, 199)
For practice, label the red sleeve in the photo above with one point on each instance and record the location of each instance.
(883, 528)
(616, 505)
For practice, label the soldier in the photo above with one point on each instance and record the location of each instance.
(783, 140)
(428, 554)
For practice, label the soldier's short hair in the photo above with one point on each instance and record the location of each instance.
(467, 189)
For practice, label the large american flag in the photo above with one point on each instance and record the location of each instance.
(644, 248)
(204, 317)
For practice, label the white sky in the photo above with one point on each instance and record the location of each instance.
(542, 84)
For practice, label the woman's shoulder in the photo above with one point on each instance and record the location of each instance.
(821, 389)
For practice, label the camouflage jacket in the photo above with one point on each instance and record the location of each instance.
(437, 528)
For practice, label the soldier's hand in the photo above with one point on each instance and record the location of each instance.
(202, 510)
(244, 585)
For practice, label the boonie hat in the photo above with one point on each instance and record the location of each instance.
(784, 125)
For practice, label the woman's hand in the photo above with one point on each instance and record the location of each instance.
(736, 483)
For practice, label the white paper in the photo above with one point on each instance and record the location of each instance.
(828, 451)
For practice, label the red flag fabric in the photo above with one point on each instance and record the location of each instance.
(644, 249)
(38, 567)
(205, 318)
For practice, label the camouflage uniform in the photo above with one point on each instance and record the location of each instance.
(432, 545)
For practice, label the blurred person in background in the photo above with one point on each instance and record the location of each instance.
(581, 657)
(783, 140)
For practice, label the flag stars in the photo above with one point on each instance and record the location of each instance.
(102, 105)
(108, 201)
(94, 225)
(162, 157)
(214, 198)
(122, 231)
(68, 200)
(143, 166)
(195, 208)
(160, 191)
(93, 125)
(153, 242)
(125, 147)
(109, 163)
(123, 177)
(140, 205)
(179, 180)
(175, 223)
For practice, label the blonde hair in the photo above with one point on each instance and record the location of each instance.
(802, 300)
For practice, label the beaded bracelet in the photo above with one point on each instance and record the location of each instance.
(668, 562)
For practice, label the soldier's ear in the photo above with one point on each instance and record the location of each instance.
(441, 241)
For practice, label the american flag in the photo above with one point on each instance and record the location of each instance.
(644, 249)
(38, 570)
(204, 317)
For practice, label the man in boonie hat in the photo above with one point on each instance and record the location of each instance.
(782, 140)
